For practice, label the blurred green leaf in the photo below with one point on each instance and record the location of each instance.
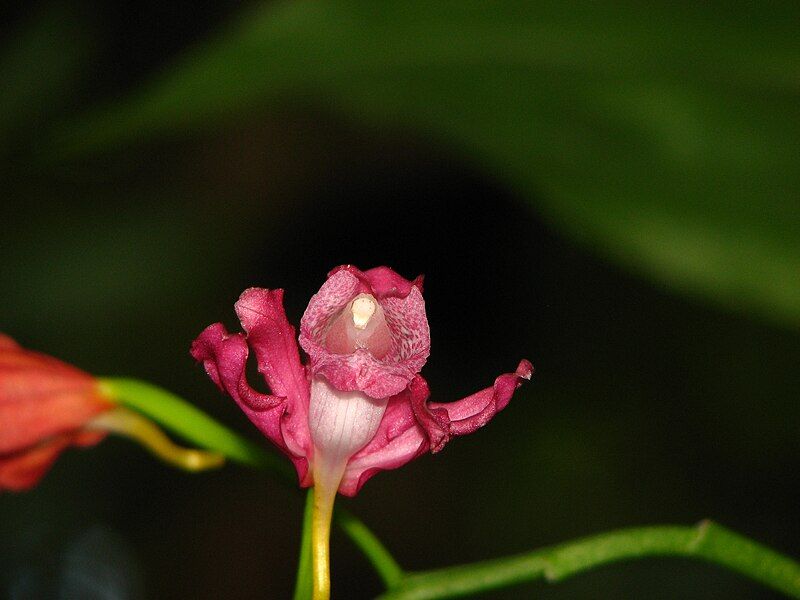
(666, 136)
(41, 63)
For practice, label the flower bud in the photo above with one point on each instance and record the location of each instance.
(45, 405)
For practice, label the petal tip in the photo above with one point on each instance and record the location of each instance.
(525, 369)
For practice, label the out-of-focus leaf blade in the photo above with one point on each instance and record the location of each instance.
(665, 136)
(40, 65)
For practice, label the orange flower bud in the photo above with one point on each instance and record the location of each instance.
(44, 406)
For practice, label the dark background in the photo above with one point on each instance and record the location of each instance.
(646, 407)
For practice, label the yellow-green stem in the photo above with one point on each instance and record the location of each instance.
(326, 484)
(133, 425)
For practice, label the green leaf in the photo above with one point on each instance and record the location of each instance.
(665, 136)
(708, 541)
(41, 63)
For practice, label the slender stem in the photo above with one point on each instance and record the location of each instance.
(320, 542)
(327, 476)
(302, 586)
(384, 563)
(707, 541)
(132, 425)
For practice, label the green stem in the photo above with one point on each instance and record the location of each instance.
(384, 563)
(707, 541)
(302, 586)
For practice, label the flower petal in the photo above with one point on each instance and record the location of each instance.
(404, 306)
(398, 440)
(408, 325)
(360, 371)
(273, 340)
(7, 342)
(443, 420)
(224, 357)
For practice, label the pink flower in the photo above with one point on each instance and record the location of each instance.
(359, 406)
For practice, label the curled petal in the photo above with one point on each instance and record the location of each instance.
(443, 420)
(273, 341)
(435, 422)
(224, 357)
(398, 440)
